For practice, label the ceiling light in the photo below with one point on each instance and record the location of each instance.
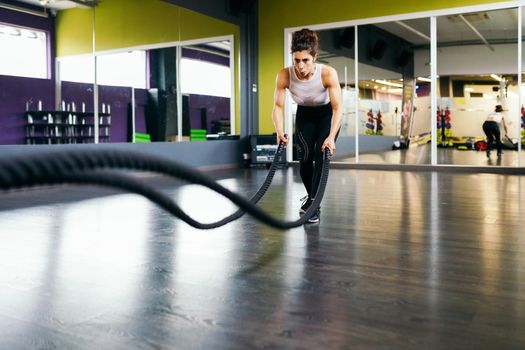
(384, 82)
(395, 91)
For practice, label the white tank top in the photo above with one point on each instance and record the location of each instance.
(496, 116)
(309, 92)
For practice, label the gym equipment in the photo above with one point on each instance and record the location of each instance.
(509, 143)
(141, 137)
(197, 134)
(444, 125)
(93, 167)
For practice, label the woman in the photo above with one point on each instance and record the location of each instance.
(492, 131)
(316, 90)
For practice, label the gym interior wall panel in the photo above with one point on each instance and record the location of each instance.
(459, 60)
(79, 93)
(27, 20)
(74, 32)
(209, 154)
(276, 15)
(119, 98)
(141, 101)
(208, 110)
(15, 92)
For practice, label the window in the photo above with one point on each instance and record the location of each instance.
(24, 52)
(119, 69)
(204, 78)
(78, 69)
(122, 69)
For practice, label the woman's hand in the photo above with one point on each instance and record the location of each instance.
(330, 144)
(282, 137)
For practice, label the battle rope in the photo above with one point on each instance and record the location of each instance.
(90, 167)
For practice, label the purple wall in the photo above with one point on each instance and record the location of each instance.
(14, 93)
(141, 100)
(216, 108)
(78, 93)
(119, 99)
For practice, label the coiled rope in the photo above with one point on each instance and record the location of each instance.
(97, 167)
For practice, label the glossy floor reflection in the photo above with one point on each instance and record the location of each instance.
(420, 154)
(400, 260)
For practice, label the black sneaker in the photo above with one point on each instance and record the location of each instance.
(499, 154)
(307, 201)
(316, 217)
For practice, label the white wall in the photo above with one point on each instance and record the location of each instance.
(422, 120)
(469, 59)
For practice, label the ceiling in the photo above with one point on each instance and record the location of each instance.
(498, 26)
(59, 4)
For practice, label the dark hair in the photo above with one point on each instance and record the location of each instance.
(305, 40)
(499, 108)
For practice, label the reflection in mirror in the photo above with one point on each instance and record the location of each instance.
(206, 86)
(136, 109)
(394, 92)
(31, 90)
(75, 123)
(477, 69)
(121, 81)
(154, 75)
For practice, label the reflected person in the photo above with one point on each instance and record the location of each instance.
(491, 128)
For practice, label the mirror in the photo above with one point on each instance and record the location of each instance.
(165, 80)
(521, 115)
(393, 91)
(394, 98)
(477, 68)
(206, 86)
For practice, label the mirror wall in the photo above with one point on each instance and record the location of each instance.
(477, 68)
(477, 64)
(122, 71)
(164, 74)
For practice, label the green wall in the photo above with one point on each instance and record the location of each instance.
(129, 23)
(276, 15)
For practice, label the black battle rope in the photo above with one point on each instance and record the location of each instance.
(85, 167)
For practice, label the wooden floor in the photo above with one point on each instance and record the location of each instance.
(420, 154)
(400, 260)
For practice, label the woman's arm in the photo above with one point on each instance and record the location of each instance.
(281, 83)
(331, 82)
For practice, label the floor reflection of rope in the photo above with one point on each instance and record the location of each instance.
(101, 167)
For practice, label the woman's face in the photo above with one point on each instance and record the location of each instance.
(304, 63)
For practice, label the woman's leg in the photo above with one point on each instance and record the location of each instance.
(323, 130)
(305, 132)
(487, 129)
(497, 136)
